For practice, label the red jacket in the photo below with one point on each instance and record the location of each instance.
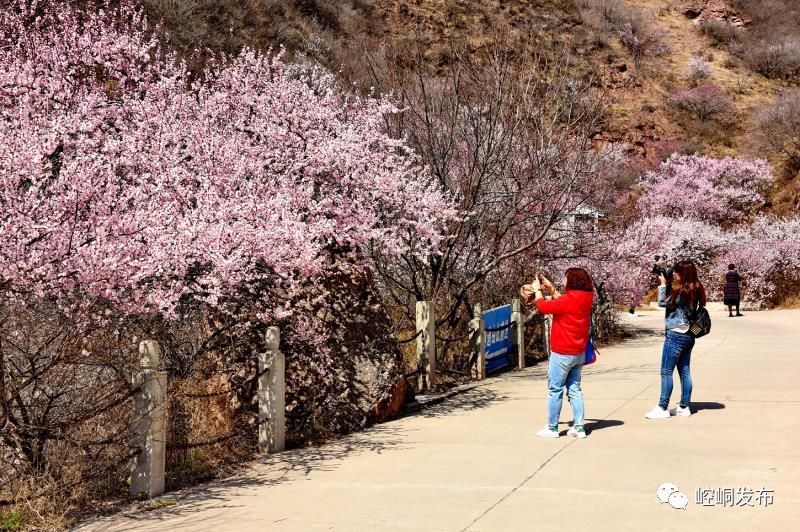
(571, 319)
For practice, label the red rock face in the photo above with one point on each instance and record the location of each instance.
(700, 10)
(391, 406)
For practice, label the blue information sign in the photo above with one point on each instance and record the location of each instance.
(498, 343)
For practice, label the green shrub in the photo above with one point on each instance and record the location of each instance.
(12, 521)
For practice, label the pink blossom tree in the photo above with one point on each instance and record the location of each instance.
(625, 262)
(120, 175)
(132, 191)
(767, 255)
(764, 251)
(704, 101)
(707, 210)
(698, 69)
(723, 191)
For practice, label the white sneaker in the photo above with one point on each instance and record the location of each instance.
(657, 413)
(680, 411)
(577, 432)
(547, 432)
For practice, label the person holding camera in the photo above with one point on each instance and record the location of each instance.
(570, 333)
(682, 294)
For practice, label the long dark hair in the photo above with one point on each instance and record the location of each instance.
(691, 290)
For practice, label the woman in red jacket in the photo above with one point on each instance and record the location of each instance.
(571, 320)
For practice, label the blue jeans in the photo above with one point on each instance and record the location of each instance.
(565, 370)
(677, 352)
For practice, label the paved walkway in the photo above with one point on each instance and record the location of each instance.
(473, 462)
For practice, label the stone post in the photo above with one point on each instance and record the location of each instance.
(272, 395)
(477, 328)
(149, 424)
(548, 327)
(426, 346)
(518, 332)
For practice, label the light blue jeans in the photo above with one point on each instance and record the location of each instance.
(677, 352)
(565, 370)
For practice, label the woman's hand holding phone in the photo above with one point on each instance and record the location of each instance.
(536, 285)
(547, 284)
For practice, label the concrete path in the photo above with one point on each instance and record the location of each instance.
(473, 462)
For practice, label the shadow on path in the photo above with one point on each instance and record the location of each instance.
(638, 334)
(599, 424)
(595, 424)
(697, 407)
(292, 466)
(475, 399)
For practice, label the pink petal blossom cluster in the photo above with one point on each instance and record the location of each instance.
(10, 462)
(704, 101)
(767, 256)
(706, 210)
(721, 191)
(697, 68)
(765, 252)
(124, 178)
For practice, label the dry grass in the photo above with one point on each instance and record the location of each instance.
(431, 27)
(341, 34)
(749, 91)
(792, 301)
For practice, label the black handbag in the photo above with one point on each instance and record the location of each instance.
(701, 324)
